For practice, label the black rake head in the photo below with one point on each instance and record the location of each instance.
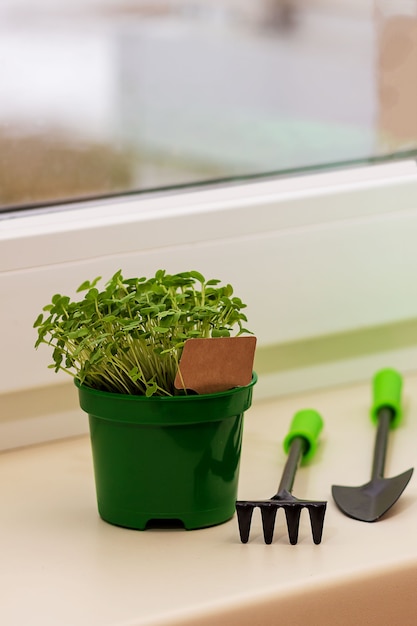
(269, 508)
(299, 443)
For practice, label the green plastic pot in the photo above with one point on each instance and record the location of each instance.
(166, 458)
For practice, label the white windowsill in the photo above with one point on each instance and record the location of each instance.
(62, 565)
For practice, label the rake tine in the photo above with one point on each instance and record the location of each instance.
(244, 512)
(269, 513)
(292, 514)
(317, 513)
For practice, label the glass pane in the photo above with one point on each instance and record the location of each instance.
(102, 97)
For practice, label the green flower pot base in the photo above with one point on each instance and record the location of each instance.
(172, 460)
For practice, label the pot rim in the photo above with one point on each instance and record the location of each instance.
(172, 410)
(183, 397)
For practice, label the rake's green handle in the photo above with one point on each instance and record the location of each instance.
(387, 384)
(306, 424)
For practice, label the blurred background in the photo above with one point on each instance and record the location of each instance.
(103, 97)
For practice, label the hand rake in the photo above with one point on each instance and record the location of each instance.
(299, 443)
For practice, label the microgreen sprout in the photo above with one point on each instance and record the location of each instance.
(128, 338)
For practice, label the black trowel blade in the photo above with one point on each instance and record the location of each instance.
(369, 502)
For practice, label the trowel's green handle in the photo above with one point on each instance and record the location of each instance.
(387, 385)
(307, 424)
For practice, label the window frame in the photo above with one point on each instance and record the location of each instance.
(286, 244)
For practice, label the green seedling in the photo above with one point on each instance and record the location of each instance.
(128, 338)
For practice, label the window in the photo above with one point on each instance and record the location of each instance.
(103, 98)
(272, 144)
